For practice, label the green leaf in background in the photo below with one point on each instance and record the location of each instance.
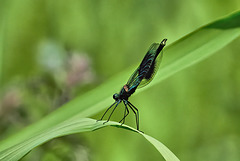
(1, 51)
(2, 44)
(185, 52)
(71, 126)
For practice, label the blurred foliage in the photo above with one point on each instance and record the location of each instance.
(51, 51)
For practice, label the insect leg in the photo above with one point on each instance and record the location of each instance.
(136, 114)
(112, 112)
(125, 115)
(107, 110)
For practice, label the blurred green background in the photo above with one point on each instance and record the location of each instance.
(52, 51)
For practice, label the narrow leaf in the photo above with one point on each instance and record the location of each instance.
(75, 125)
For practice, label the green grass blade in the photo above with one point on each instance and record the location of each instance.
(198, 45)
(1, 53)
(166, 153)
(185, 52)
(72, 126)
(2, 35)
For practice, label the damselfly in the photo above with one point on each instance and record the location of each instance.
(142, 76)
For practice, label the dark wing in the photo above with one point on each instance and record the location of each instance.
(147, 69)
(152, 71)
(134, 81)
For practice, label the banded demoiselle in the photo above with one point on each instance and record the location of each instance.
(142, 76)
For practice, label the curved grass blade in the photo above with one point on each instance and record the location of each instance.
(197, 46)
(75, 125)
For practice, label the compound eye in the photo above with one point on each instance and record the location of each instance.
(115, 96)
